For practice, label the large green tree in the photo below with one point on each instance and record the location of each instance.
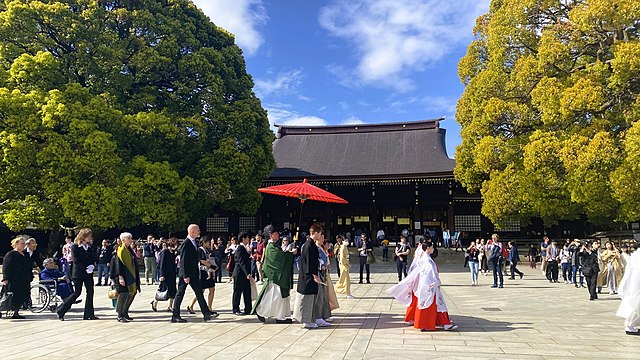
(550, 111)
(119, 113)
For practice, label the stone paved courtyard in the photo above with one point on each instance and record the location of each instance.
(528, 319)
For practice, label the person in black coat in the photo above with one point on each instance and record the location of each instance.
(189, 274)
(17, 274)
(84, 259)
(513, 261)
(31, 250)
(589, 263)
(167, 272)
(241, 276)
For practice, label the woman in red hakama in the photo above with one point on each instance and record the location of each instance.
(420, 290)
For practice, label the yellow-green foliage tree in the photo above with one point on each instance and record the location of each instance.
(550, 111)
(121, 113)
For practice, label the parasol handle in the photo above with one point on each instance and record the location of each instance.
(299, 220)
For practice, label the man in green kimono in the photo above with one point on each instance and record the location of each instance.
(273, 300)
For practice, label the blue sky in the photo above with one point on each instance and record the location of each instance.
(353, 61)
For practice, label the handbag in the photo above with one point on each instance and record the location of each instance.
(162, 294)
(112, 293)
(6, 299)
(371, 258)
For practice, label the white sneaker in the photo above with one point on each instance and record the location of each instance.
(260, 282)
(350, 296)
(329, 319)
(611, 293)
(322, 323)
(310, 326)
(410, 322)
(450, 327)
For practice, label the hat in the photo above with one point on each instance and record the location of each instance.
(270, 229)
(624, 246)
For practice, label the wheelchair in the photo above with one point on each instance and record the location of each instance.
(43, 296)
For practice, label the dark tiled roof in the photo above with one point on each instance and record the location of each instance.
(362, 151)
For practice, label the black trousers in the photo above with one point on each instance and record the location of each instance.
(552, 270)
(241, 287)
(514, 270)
(197, 289)
(338, 267)
(401, 266)
(87, 282)
(363, 265)
(591, 285)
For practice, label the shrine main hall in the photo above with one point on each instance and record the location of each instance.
(396, 176)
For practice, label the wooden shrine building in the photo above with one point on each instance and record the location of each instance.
(395, 176)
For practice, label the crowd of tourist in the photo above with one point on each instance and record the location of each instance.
(267, 259)
(196, 262)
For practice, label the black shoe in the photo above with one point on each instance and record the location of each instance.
(129, 318)
(178, 320)
(190, 310)
(360, 282)
(262, 319)
(207, 317)
(512, 278)
(91, 318)
(632, 332)
(521, 276)
(285, 321)
(122, 320)
(17, 316)
(60, 316)
(78, 302)
(98, 284)
(154, 307)
(368, 282)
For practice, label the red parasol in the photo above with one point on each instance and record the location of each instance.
(303, 191)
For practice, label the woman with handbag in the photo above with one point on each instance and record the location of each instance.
(168, 274)
(16, 276)
(365, 253)
(128, 284)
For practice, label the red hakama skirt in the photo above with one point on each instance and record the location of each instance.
(427, 318)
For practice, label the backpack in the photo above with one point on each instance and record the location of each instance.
(505, 253)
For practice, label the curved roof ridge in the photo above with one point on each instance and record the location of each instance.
(284, 130)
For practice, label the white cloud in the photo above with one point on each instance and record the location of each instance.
(243, 18)
(282, 114)
(352, 120)
(440, 103)
(394, 38)
(284, 83)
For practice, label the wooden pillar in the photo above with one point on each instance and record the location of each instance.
(328, 222)
(373, 221)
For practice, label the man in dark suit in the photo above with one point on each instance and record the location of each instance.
(189, 274)
(241, 276)
(34, 253)
(513, 261)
